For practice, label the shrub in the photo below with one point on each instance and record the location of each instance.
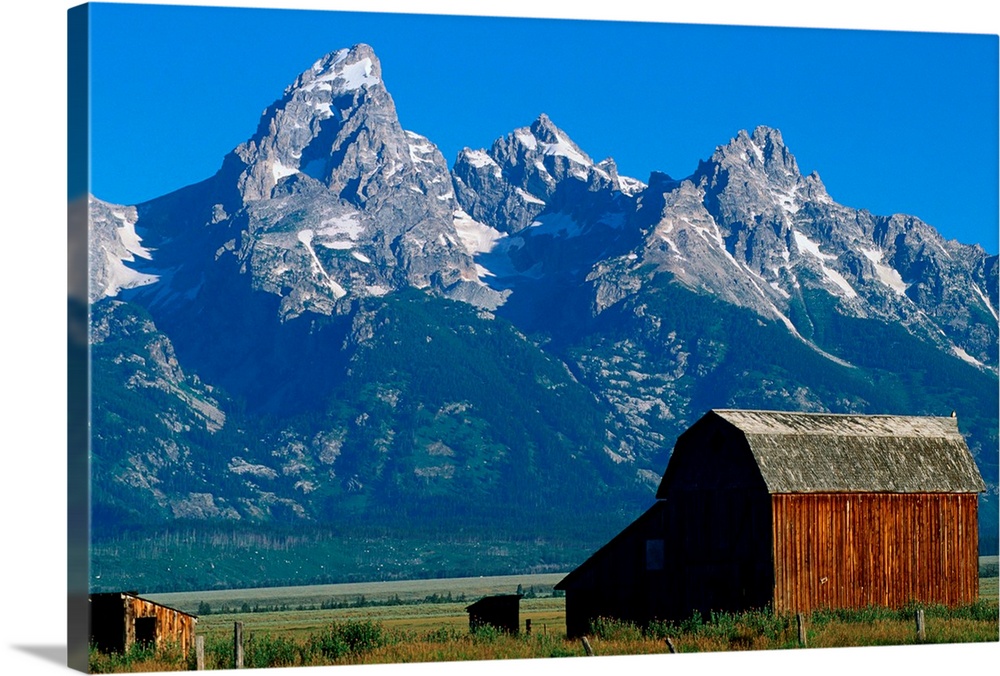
(444, 635)
(560, 650)
(218, 652)
(262, 651)
(658, 630)
(347, 638)
(610, 629)
(693, 623)
(486, 633)
(765, 623)
(166, 658)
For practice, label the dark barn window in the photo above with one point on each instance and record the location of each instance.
(145, 631)
(654, 555)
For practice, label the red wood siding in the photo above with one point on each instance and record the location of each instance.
(852, 550)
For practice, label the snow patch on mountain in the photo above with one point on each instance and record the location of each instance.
(480, 159)
(787, 198)
(351, 76)
(280, 171)
(556, 224)
(795, 332)
(527, 139)
(563, 147)
(421, 149)
(116, 242)
(120, 276)
(476, 237)
(528, 197)
(306, 237)
(840, 281)
(345, 226)
(966, 357)
(986, 301)
(129, 237)
(887, 275)
(806, 245)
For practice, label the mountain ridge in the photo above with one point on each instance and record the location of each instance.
(319, 319)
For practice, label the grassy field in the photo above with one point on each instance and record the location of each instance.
(546, 614)
(403, 605)
(426, 621)
(471, 588)
(989, 577)
(401, 634)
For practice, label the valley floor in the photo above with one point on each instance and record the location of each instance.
(426, 621)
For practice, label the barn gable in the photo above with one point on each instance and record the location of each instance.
(823, 452)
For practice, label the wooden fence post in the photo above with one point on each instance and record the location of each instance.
(527, 627)
(801, 621)
(586, 647)
(921, 629)
(199, 652)
(670, 646)
(238, 645)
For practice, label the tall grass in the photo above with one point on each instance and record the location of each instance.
(368, 641)
(138, 658)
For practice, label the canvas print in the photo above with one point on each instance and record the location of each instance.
(413, 338)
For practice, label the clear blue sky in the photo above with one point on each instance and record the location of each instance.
(892, 121)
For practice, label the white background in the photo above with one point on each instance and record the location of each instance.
(33, 283)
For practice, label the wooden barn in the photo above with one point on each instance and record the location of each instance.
(119, 620)
(793, 511)
(502, 611)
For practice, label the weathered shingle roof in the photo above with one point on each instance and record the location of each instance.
(815, 452)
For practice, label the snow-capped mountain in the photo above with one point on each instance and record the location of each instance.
(336, 319)
(531, 170)
(748, 228)
(330, 199)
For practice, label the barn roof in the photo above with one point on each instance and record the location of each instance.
(492, 602)
(819, 452)
(134, 595)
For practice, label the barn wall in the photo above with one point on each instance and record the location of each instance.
(617, 582)
(852, 550)
(172, 626)
(720, 552)
(502, 612)
(107, 622)
(697, 551)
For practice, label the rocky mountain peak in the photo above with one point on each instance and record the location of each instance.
(543, 139)
(547, 133)
(762, 152)
(337, 111)
(531, 169)
(344, 69)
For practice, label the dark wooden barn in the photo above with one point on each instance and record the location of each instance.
(502, 611)
(794, 511)
(119, 620)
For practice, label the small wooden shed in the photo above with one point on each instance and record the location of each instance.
(794, 511)
(502, 611)
(119, 620)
